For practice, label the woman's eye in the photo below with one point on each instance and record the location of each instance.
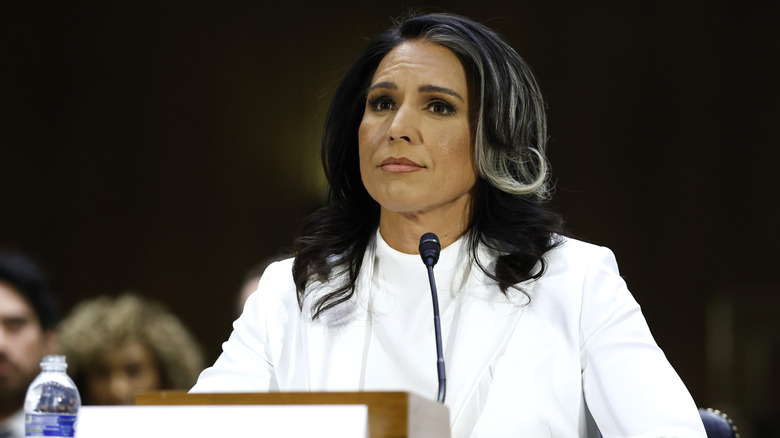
(381, 104)
(439, 107)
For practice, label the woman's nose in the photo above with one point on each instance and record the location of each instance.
(404, 126)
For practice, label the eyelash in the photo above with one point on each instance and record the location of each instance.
(449, 109)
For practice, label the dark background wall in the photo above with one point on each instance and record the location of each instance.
(169, 146)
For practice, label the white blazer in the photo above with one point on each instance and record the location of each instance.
(579, 351)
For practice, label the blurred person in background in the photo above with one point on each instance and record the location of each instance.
(28, 317)
(120, 347)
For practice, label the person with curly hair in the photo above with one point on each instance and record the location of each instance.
(117, 347)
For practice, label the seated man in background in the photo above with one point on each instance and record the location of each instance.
(28, 317)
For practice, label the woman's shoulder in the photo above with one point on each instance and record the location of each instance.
(578, 268)
(575, 254)
(276, 284)
(280, 269)
(574, 245)
(581, 281)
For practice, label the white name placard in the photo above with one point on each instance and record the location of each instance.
(198, 421)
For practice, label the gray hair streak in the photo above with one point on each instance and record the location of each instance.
(511, 128)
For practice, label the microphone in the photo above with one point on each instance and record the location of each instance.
(429, 249)
(429, 252)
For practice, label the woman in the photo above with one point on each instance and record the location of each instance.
(440, 127)
(120, 347)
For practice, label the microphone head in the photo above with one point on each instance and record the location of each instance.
(429, 249)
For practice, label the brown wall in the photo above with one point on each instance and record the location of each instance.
(169, 147)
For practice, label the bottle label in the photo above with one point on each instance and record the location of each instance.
(53, 425)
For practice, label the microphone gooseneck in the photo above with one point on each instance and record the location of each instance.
(429, 252)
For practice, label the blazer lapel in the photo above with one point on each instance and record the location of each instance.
(335, 343)
(486, 322)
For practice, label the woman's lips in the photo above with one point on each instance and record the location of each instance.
(399, 165)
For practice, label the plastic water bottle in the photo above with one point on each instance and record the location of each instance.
(52, 403)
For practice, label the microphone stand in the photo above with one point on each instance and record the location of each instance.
(437, 330)
(429, 251)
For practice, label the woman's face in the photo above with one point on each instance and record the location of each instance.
(119, 374)
(415, 137)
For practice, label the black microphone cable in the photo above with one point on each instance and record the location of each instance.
(429, 251)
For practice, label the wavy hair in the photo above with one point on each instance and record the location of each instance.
(103, 323)
(510, 134)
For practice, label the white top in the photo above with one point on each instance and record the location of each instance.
(513, 367)
(401, 348)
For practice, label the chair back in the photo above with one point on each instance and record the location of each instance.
(717, 424)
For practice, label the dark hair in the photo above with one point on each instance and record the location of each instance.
(509, 123)
(27, 278)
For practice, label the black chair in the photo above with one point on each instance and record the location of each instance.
(717, 424)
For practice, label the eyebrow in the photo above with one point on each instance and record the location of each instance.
(423, 89)
(385, 84)
(437, 89)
